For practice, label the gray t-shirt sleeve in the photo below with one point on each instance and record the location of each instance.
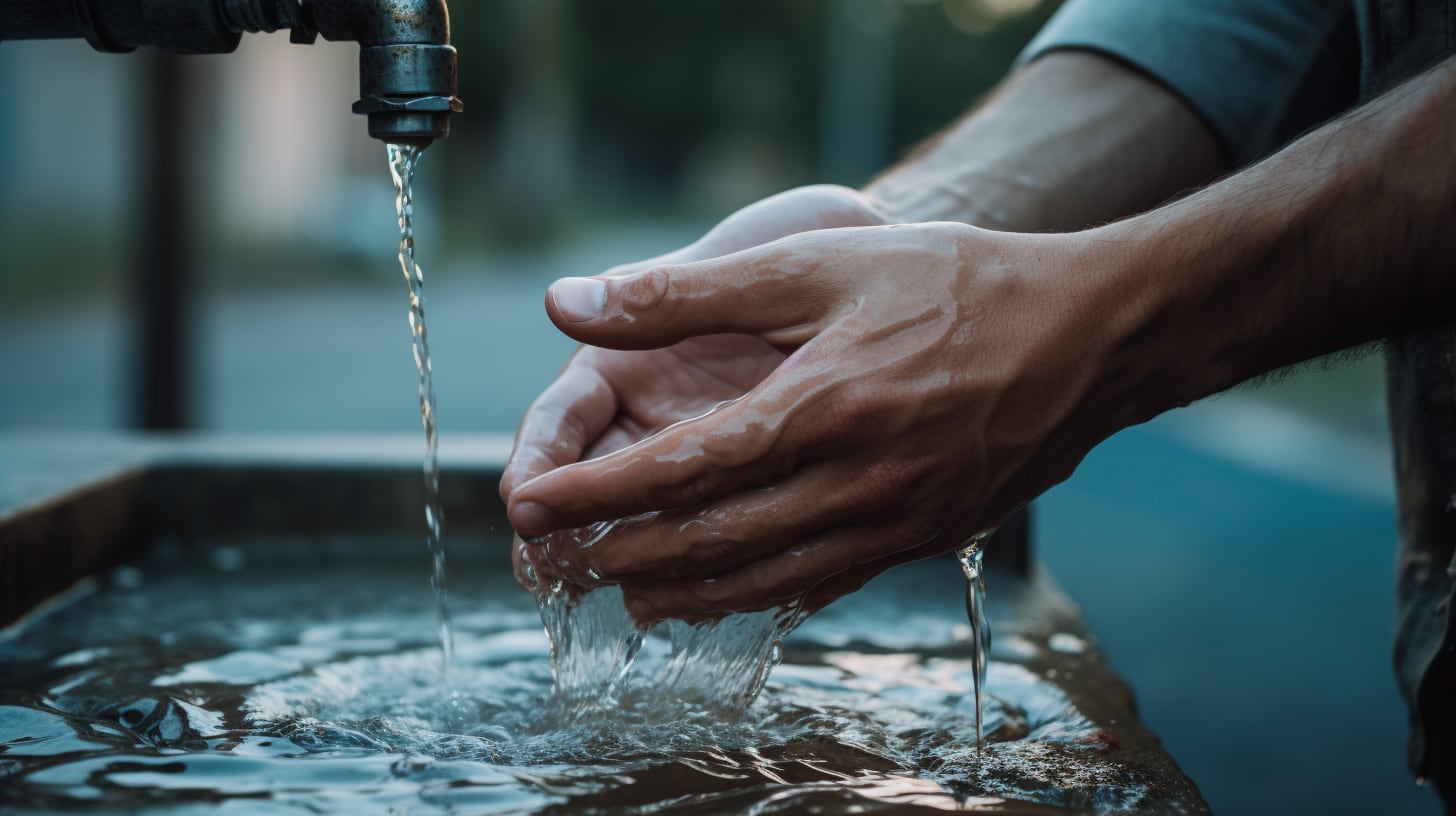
(1238, 63)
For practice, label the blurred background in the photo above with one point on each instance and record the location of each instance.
(1234, 557)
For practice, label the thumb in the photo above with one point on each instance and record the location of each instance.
(771, 291)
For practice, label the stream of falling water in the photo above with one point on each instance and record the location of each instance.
(402, 162)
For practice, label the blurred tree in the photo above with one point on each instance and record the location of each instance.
(577, 107)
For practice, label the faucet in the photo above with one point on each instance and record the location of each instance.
(407, 67)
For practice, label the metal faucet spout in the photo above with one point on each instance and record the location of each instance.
(408, 91)
(407, 67)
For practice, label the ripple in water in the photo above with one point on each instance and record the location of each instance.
(201, 686)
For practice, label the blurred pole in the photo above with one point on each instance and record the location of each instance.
(161, 279)
(854, 124)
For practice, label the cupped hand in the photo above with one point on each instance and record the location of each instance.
(605, 399)
(937, 376)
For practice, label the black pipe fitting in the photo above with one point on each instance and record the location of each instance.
(407, 67)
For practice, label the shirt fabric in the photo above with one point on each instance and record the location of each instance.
(1238, 63)
(1258, 72)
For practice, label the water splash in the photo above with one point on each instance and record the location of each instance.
(716, 667)
(402, 162)
(722, 665)
(970, 556)
(594, 642)
(711, 668)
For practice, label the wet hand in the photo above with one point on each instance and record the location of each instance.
(607, 399)
(937, 376)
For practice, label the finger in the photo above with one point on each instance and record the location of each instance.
(852, 580)
(533, 567)
(560, 425)
(802, 209)
(534, 570)
(679, 468)
(743, 444)
(523, 566)
(777, 579)
(612, 440)
(745, 527)
(776, 291)
(800, 411)
(559, 555)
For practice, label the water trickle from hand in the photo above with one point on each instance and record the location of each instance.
(970, 557)
(402, 162)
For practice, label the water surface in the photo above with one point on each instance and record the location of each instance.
(261, 678)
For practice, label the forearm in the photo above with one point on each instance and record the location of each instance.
(1071, 140)
(1346, 236)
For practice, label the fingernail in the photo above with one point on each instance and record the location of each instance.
(641, 608)
(531, 517)
(579, 299)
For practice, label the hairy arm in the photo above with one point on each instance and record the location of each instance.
(1346, 236)
(1071, 140)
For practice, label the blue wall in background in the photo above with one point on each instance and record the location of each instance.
(1253, 615)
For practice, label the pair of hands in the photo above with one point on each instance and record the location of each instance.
(802, 399)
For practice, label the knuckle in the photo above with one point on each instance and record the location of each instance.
(870, 487)
(736, 450)
(882, 481)
(851, 410)
(554, 425)
(613, 560)
(912, 530)
(779, 585)
(710, 551)
(721, 594)
(647, 289)
(690, 491)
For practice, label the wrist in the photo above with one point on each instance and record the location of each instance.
(908, 195)
(1150, 318)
